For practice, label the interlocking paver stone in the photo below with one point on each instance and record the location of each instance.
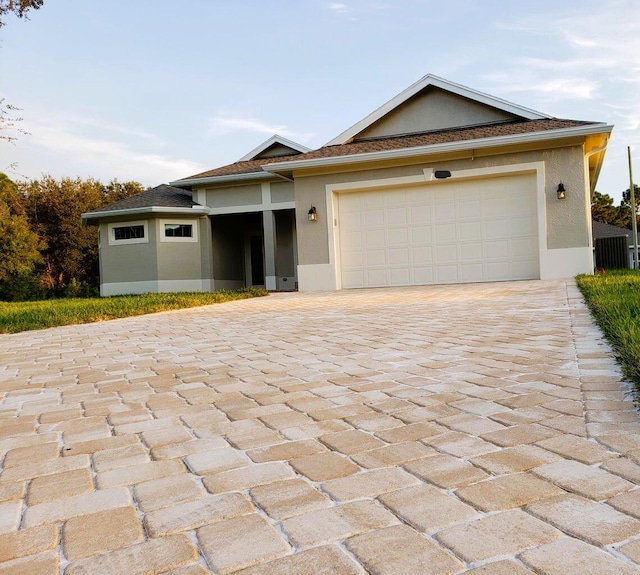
(324, 466)
(582, 479)
(427, 508)
(59, 485)
(193, 514)
(588, 452)
(337, 523)
(445, 471)
(569, 556)
(27, 542)
(401, 550)
(515, 459)
(283, 499)
(497, 535)
(507, 491)
(240, 542)
(247, 477)
(351, 441)
(327, 560)
(104, 531)
(154, 556)
(46, 563)
(505, 567)
(167, 491)
(594, 522)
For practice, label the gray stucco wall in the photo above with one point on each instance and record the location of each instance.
(567, 221)
(129, 262)
(282, 192)
(179, 260)
(234, 196)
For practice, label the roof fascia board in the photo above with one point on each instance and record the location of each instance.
(431, 80)
(275, 139)
(221, 179)
(145, 210)
(439, 148)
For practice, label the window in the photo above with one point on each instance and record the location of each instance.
(124, 233)
(178, 230)
(128, 233)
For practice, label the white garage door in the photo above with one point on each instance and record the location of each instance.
(472, 231)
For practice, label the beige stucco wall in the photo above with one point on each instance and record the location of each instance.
(567, 220)
(433, 109)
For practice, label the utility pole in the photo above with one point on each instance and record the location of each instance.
(634, 224)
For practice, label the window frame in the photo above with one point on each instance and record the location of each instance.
(179, 239)
(112, 233)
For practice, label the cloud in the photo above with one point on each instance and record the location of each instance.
(103, 157)
(338, 7)
(224, 123)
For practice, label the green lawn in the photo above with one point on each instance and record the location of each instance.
(614, 301)
(24, 316)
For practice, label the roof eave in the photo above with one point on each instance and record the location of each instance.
(221, 179)
(88, 216)
(440, 148)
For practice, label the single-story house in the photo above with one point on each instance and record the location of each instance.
(442, 184)
(602, 230)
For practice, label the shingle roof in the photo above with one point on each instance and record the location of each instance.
(601, 230)
(400, 142)
(160, 196)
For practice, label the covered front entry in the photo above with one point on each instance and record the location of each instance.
(254, 249)
(451, 232)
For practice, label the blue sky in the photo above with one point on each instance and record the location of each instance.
(153, 90)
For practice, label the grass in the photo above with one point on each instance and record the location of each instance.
(24, 316)
(614, 301)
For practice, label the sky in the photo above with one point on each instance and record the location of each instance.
(154, 91)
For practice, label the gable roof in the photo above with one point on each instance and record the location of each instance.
(272, 142)
(161, 198)
(436, 82)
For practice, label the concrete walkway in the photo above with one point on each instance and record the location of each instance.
(478, 429)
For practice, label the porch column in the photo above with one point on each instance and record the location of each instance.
(269, 227)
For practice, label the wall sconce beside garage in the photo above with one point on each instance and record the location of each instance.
(561, 191)
(313, 214)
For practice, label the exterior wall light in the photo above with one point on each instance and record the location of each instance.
(561, 191)
(313, 214)
(442, 174)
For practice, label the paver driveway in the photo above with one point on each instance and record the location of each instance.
(435, 430)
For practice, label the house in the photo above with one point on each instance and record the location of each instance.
(442, 184)
(603, 231)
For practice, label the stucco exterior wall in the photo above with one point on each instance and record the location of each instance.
(567, 220)
(234, 196)
(179, 260)
(282, 192)
(129, 262)
(434, 109)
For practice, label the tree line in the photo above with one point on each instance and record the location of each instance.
(45, 250)
(604, 210)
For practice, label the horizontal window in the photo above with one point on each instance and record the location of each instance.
(178, 230)
(128, 233)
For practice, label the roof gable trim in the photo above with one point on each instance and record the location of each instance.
(275, 139)
(431, 80)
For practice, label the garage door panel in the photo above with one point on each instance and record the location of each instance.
(445, 233)
(483, 230)
(375, 238)
(374, 218)
(398, 236)
(445, 211)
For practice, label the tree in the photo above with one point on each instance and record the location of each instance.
(625, 205)
(603, 210)
(53, 208)
(18, 7)
(19, 245)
